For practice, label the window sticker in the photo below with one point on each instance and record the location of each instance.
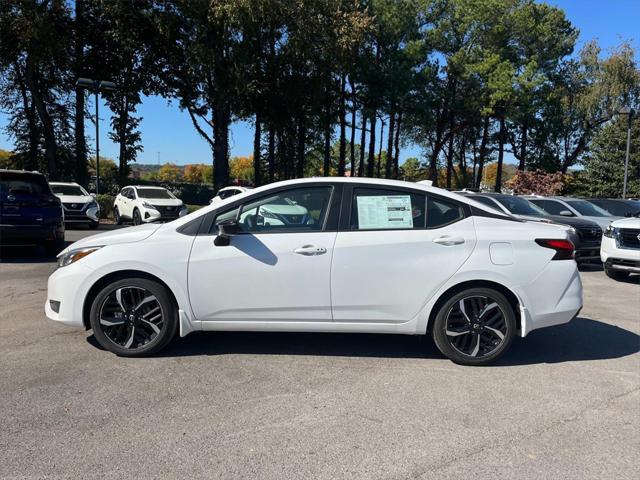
(386, 211)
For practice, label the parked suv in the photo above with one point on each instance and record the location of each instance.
(30, 214)
(620, 251)
(227, 192)
(141, 204)
(584, 234)
(79, 206)
(617, 206)
(573, 207)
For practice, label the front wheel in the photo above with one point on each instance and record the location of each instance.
(616, 274)
(134, 317)
(116, 216)
(137, 219)
(94, 225)
(474, 327)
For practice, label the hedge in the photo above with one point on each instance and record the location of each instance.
(106, 205)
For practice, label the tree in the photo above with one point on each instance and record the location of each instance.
(241, 169)
(537, 182)
(169, 172)
(195, 173)
(108, 174)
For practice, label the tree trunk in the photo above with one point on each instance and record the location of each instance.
(450, 160)
(29, 110)
(50, 144)
(523, 147)
(221, 120)
(483, 151)
(122, 134)
(378, 164)
(79, 136)
(257, 150)
(301, 147)
(343, 127)
(388, 166)
(396, 156)
(372, 145)
(326, 164)
(501, 140)
(271, 152)
(363, 141)
(352, 146)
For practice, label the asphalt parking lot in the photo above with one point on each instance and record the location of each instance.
(563, 403)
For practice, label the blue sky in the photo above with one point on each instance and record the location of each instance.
(167, 132)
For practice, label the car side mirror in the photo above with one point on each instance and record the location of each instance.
(566, 213)
(93, 195)
(226, 230)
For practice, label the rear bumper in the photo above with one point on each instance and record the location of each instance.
(20, 235)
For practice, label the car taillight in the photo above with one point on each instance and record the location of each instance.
(564, 248)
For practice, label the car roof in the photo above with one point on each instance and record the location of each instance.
(65, 183)
(25, 172)
(145, 186)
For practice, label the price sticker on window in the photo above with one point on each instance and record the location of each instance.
(384, 212)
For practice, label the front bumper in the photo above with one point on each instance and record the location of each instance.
(616, 258)
(162, 214)
(66, 290)
(82, 216)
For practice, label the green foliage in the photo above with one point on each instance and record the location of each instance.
(106, 205)
(108, 175)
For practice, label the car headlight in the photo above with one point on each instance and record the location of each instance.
(610, 232)
(94, 204)
(74, 255)
(148, 205)
(573, 230)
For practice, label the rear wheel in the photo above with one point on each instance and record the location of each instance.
(134, 317)
(474, 327)
(116, 216)
(616, 274)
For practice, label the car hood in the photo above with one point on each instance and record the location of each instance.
(632, 222)
(603, 222)
(114, 237)
(572, 221)
(163, 202)
(75, 198)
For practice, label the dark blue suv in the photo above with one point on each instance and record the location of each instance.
(30, 214)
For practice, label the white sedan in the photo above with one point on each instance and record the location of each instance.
(367, 255)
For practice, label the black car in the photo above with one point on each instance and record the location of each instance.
(586, 235)
(30, 214)
(617, 207)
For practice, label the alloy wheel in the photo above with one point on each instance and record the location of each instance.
(131, 317)
(476, 326)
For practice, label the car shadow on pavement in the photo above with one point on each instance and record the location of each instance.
(26, 254)
(580, 340)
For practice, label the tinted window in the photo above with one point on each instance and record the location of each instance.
(619, 209)
(588, 209)
(442, 212)
(296, 210)
(520, 206)
(486, 201)
(22, 183)
(154, 193)
(68, 190)
(373, 209)
(551, 206)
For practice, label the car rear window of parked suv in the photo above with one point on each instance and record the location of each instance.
(14, 182)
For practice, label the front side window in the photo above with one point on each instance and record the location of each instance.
(520, 206)
(551, 206)
(295, 210)
(378, 209)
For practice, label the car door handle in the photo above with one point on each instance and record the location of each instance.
(448, 241)
(310, 250)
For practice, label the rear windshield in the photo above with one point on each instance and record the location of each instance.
(154, 193)
(588, 209)
(520, 206)
(22, 183)
(69, 190)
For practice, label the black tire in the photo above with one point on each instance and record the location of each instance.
(616, 274)
(137, 219)
(480, 333)
(53, 247)
(116, 216)
(132, 333)
(94, 225)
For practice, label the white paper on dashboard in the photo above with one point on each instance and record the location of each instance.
(386, 211)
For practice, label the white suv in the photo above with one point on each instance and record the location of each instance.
(620, 249)
(147, 204)
(78, 205)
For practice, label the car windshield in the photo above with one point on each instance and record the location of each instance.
(616, 207)
(22, 183)
(69, 190)
(520, 206)
(154, 193)
(588, 209)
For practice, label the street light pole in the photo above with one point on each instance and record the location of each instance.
(96, 86)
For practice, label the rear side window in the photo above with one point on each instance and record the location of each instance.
(442, 212)
(550, 206)
(378, 209)
(22, 183)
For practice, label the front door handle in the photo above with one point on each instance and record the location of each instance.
(448, 241)
(310, 250)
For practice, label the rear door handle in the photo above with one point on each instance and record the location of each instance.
(448, 241)
(310, 250)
